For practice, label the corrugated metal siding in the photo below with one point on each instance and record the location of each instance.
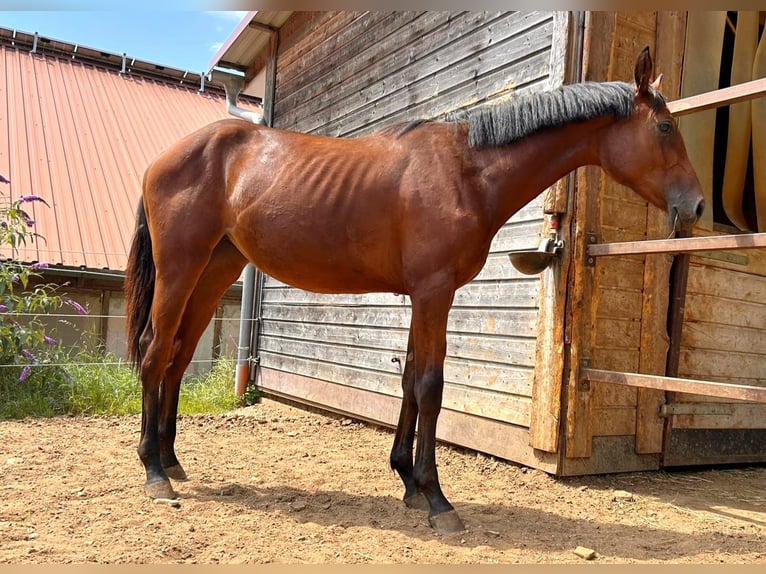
(81, 135)
(374, 70)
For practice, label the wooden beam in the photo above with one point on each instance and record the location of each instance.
(717, 98)
(697, 387)
(681, 245)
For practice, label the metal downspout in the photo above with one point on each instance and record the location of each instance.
(252, 280)
(233, 85)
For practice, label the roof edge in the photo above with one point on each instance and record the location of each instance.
(244, 23)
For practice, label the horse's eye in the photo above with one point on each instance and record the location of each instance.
(665, 127)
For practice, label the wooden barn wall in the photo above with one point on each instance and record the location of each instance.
(725, 307)
(349, 74)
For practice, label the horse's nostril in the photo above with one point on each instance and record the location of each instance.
(700, 208)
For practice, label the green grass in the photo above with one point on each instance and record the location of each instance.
(95, 386)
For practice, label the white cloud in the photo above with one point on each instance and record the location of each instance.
(215, 46)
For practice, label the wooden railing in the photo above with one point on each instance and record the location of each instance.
(714, 99)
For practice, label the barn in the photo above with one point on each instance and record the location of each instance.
(78, 127)
(613, 358)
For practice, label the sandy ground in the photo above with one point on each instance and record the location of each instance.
(276, 484)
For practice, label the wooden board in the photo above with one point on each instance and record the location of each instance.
(704, 41)
(738, 143)
(759, 137)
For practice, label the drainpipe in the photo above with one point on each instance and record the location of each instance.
(253, 279)
(233, 85)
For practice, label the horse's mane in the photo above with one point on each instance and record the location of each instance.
(500, 124)
(492, 125)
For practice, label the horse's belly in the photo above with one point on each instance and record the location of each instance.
(321, 265)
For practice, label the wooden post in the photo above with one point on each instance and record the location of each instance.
(545, 417)
(599, 45)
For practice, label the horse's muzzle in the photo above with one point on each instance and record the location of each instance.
(685, 211)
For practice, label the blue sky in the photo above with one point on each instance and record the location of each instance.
(181, 39)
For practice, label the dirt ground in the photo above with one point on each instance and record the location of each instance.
(276, 484)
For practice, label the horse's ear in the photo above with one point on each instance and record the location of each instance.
(643, 73)
(656, 83)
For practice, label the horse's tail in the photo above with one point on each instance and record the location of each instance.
(139, 286)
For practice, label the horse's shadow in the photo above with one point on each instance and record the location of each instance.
(502, 527)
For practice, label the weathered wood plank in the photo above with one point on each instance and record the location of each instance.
(717, 98)
(614, 421)
(346, 71)
(618, 333)
(517, 293)
(518, 322)
(507, 441)
(307, 69)
(478, 400)
(703, 336)
(329, 359)
(330, 22)
(511, 351)
(449, 60)
(739, 416)
(616, 359)
(709, 388)
(619, 304)
(721, 366)
(681, 245)
(716, 310)
(727, 284)
(621, 273)
(527, 73)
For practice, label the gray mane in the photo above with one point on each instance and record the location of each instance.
(501, 124)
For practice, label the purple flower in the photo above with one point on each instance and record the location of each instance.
(3, 179)
(27, 355)
(50, 340)
(76, 306)
(3, 308)
(30, 198)
(39, 265)
(25, 373)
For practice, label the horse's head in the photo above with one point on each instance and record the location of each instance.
(646, 152)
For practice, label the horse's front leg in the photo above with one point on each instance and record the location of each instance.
(404, 439)
(429, 323)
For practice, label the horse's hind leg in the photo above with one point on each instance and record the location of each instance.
(178, 269)
(404, 439)
(223, 269)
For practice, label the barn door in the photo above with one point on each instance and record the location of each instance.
(722, 314)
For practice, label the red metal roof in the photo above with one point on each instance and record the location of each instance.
(80, 134)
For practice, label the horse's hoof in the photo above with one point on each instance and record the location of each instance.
(417, 501)
(159, 489)
(446, 522)
(176, 472)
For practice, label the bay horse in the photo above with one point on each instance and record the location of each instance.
(411, 209)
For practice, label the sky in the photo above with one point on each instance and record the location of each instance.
(183, 39)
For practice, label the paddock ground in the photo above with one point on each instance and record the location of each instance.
(276, 484)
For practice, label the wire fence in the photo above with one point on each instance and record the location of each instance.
(117, 363)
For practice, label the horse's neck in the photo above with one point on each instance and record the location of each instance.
(517, 173)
